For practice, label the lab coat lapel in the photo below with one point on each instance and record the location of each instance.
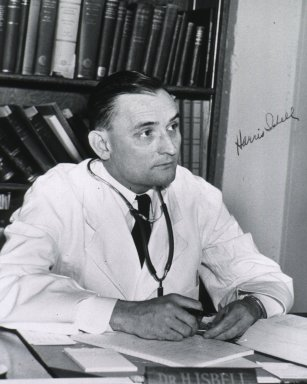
(159, 248)
(117, 257)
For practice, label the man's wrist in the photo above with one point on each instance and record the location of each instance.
(256, 303)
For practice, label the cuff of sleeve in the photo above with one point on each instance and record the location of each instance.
(93, 314)
(272, 306)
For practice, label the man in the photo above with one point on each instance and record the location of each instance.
(70, 255)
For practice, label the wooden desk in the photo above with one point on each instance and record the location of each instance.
(47, 362)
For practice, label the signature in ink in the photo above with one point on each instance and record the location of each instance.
(271, 123)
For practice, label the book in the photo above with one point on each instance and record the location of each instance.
(46, 30)
(171, 58)
(196, 56)
(210, 55)
(139, 35)
(53, 145)
(153, 39)
(125, 39)
(107, 35)
(24, 13)
(186, 54)
(165, 40)
(54, 116)
(18, 156)
(80, 129)
(7, 172)
(185, 112)
(121, 13)
(17, 122)
(65, 40)
(185, 375)
(88, 38)
(3, 10)
(100, 360)
(179, 49)
(203, 47)
(31, 38)
(12, 25)
(193, 351)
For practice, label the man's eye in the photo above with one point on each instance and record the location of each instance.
(173, 126)
(146, 133)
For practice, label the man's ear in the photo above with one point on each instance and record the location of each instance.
(99, 142)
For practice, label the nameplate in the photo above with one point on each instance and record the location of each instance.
(174, 375)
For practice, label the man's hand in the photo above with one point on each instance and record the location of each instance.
(233, 320)
(162, 318)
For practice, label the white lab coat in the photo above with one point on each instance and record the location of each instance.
(70, 253)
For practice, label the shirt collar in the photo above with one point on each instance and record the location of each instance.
(99, 169)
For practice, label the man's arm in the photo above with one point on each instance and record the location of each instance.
(232, 268)
(162, 318)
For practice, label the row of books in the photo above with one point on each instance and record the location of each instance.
(89, 39)
(33, 139)
(195, 129)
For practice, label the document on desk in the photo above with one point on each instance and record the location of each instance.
(280, 336)
(45, 338)
(192, 352)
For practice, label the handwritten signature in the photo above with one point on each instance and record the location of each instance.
(271, 123)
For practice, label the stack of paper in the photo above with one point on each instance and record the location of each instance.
(190, 352)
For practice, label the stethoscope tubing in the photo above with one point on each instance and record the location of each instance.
(137, 216)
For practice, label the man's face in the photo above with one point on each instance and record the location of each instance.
(144, 141)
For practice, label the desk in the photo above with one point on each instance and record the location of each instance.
(47, 362)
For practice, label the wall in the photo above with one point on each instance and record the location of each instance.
(294, 239)
(261, 117)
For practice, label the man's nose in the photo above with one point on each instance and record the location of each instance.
(167, 144)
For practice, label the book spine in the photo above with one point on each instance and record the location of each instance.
(3, 11)
(204, 136)
(24, 13)
(67, 128)
(125, 39)
(141, 25)
(209, 58)
(58, 130)
(107, 35)
(88, 39)
(46, 29)
(117, 36)
(64, 52)
(12, 26)
(6, 170)
(165, 41)
(170, 63)
(10, 147)
(153, 40)
(179, 49)
(80, 130)
(31, 38)
(20, 125)
(57, 151)
(196, 56)
(185, 55)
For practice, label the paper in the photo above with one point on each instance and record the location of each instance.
(286, 371)
(191, 352)
(44, 338)
(281, 336)
(100, 360)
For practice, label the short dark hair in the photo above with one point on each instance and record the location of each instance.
(101, 100)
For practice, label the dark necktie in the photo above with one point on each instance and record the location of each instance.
(143, 208)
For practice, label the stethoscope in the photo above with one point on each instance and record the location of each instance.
(137, 216)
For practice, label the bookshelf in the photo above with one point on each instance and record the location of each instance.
(72, 93)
